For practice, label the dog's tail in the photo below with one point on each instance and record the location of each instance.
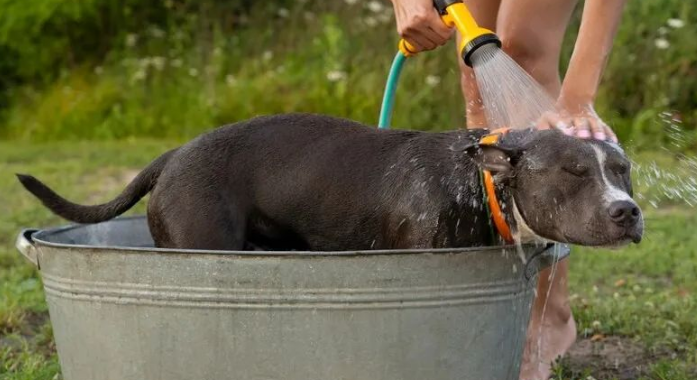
(141, 185)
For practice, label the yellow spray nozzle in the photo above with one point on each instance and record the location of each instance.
(455, 14)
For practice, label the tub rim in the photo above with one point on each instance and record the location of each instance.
(37, 237)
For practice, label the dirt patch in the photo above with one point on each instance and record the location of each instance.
(27, 328)
(610, 358)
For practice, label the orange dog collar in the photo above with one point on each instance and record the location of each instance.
(490, 190)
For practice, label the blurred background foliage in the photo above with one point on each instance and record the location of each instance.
(107, 69)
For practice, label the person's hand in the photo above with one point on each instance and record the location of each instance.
(579, 121)
(419, 24)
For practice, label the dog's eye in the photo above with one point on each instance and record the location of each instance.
(578, 170)
(620, 168)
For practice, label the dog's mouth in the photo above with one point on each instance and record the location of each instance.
(630, 236)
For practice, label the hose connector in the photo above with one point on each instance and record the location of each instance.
(406, 48)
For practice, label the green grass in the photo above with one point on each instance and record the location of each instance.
(644, 293)
(80, 170)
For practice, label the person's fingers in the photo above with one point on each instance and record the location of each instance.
(556, 121)
(581, 127)
(424, 28)
(433, 38)
(609, 132)
(544, 122)
(419, 29)
(566, 126)
(440, 28)
(597, 129)
(436, 37)
(416, 41)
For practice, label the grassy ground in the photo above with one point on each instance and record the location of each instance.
(635, 307)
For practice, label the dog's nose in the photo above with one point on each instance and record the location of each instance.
(625, 213)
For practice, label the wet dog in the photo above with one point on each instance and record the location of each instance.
(311, 182)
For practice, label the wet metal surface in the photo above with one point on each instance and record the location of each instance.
(121, 309)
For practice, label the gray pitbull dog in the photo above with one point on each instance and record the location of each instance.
(311, 182)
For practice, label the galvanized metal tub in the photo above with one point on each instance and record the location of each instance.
(123, 310)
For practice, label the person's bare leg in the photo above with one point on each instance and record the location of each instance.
(486, 13)
(552, 329)
(532, 32)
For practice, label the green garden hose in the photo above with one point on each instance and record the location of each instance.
(390, 89)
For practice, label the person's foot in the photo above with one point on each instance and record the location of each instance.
(545, 345)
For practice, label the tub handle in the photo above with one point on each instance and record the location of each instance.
(545, 257)
(25, 245)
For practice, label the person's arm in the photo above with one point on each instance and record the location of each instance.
(599, 25)
(419, 24)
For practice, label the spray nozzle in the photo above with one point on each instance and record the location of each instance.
(455, 14)
(476, 43)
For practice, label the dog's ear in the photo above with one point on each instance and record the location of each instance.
(494, 158)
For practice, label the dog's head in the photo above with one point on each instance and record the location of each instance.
(565, 189)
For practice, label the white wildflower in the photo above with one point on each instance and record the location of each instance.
(350, 2)
(193, 72)
(432, 80)
(662, 43)
(139, 75)
(131, 40)
(375, 6)
(385, 17)
(370, 21)
(267, 55)
(230, 80)
(158, 63)
(596, 324)
(675, 23)
(336, 76)
(157, 32)
(662, 31)
(283, 13)
(144, 62)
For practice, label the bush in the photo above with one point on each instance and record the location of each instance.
(108, 69)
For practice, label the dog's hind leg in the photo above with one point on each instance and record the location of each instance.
(211, 230)
(176, 223)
